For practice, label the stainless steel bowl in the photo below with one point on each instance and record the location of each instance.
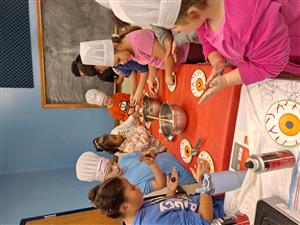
(173, 120)
(151, 107)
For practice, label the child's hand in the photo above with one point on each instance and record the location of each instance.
(218, 83)
(172, 182)
(202, 168)
(175, 51)
(148, 159)
(152, 86)
(135, 99)
(136, 114)
(130, 110)
(169, 79)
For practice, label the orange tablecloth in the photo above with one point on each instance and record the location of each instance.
(213, 121)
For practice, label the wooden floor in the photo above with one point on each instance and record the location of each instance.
(90, 217)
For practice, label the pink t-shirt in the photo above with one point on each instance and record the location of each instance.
(260, 37)
(142, 43)
(217, 38)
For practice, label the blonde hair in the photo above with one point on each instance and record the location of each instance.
(185, 5)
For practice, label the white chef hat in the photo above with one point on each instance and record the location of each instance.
(162, 13)
(100, 52)
(104, 3)
(91, 167)
(94, 96)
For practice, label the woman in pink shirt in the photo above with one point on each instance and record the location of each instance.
(143, 47)
(261, 38)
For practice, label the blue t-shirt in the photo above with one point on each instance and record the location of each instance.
(140, 174)
(130, 66)
(176, 210)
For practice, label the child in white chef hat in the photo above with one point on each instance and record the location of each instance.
(118, 104)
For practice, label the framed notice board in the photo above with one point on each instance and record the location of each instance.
(62, 25)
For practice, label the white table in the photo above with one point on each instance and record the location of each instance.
(254, 104)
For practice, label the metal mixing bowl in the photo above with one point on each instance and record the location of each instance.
(175, 120)
(151, 107)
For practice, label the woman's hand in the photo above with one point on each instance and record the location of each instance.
(215, 81)
(215, 85)
(202, 168)
(217, 70)
(172, 182)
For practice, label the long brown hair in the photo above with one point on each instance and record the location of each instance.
(109, 197)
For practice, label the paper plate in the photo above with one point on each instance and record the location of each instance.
(186, 150)
(282, 122)
(206, 156)
(172, 88)
(198, 83)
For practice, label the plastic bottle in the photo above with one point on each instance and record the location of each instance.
(270, 161)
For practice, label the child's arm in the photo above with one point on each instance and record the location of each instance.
(159, 181)
(164, 37)
(139, 90)
(121, 77)
(133, 86)
(206, 209)
(172, 182)
(124, 126)
(159, 51)
(151, 79)
(119, 80)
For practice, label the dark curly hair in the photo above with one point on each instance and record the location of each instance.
(105, 145)
(109, 197)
